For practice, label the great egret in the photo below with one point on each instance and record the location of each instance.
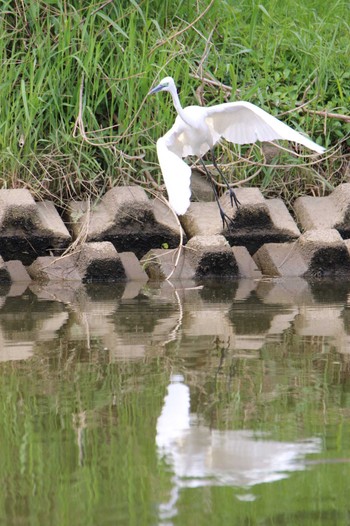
(196, 131)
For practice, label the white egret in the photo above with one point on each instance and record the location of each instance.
(196, 131)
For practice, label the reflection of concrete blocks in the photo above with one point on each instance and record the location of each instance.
(202, 257)
(29, 229)
(93, 262)
(128, 219)
(323, 322)
(256, 221)
(317, 253)
(284, 291)
(322, 213)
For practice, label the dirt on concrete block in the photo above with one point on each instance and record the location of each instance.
(128, 219)
(29, 229)
(100, 262)
(212, 257)
(257, 220)
(5, 277)
(326, 253)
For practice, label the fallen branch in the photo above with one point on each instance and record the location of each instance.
(325, 113)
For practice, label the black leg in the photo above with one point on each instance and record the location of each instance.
(233, 196)
(226, 220)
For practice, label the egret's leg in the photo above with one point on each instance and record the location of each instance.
(226, 220)
(233, 196)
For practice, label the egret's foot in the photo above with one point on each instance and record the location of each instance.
(227, 221)
(233, 197)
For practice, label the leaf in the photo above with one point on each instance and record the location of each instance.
(263, 9)
(112, 23)
(25, 101)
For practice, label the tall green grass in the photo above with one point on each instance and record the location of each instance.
(59, 57)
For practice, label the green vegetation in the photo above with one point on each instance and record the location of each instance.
(74, 117)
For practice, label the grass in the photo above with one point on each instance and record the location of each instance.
(74, 116)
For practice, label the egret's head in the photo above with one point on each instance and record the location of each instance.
(166, 84)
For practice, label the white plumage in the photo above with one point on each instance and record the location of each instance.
(197, 129)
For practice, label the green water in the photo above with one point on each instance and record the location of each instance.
(156, 405)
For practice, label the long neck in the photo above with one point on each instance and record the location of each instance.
(178, 106)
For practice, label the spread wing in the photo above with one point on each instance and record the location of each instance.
(244, 123)
(176, 174)
(238, 122)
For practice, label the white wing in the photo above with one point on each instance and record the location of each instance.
(244, 123)
(184, 140)
(177, 176)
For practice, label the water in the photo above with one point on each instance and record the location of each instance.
(157, 405)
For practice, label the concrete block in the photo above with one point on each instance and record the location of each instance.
(132, 267)
(256, 221)
(212, 257)
(51, 268)
(280, 259)
(247, 267)
(29, 229)
(128, 219)
(201, 189)
(13, 272)
(100, 262)
(317, 253)
(165, 216)
(202, 219)
(17, 271)
(93, 262)
(160, 263)
(202, 257)
(333, 211)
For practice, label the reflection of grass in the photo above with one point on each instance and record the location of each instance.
(289, 389)
(275, 54)
(77, 441)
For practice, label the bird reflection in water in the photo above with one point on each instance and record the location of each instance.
(200, 456)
